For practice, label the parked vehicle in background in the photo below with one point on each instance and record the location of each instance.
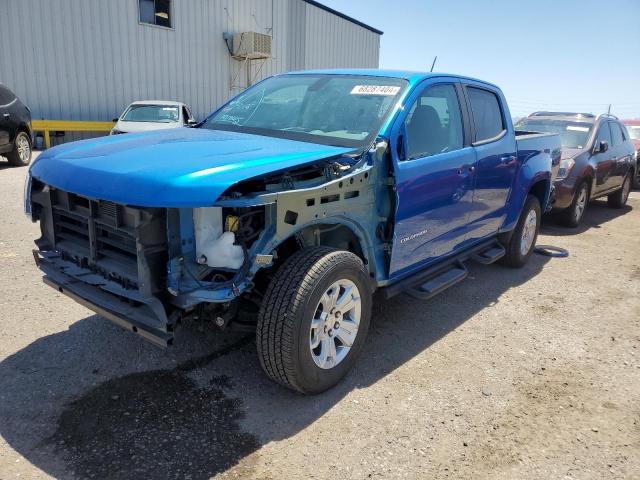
(149, 115)
(15, 128)
(294, 201)
(633, 127)
(598, 159)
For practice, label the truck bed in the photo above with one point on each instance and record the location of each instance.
(533, 143)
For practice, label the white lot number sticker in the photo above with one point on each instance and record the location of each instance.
(374, 90)
(578, 129)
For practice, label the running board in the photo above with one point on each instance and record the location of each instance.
(440, 282)
(491, 255)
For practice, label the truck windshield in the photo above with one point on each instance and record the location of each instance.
(151, 113)
(340, 110)
(572, 134)
(634, 131)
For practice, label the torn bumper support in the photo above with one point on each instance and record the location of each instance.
(145, 316)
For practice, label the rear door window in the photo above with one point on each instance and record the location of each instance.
(487, 114)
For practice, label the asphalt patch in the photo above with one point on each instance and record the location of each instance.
(157, 424)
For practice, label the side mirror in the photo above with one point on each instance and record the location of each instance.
(115, 120)
(191, 121)
(602, 147)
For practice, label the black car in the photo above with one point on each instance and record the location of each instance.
(598, 159)
(15, 128)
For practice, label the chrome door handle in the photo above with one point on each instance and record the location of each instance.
(6, 115)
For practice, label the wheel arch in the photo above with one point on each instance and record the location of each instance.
(336, 232)
(540, 190)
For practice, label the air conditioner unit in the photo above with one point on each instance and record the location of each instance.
(252, 45)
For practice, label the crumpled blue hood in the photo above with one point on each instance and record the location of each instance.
(185, 167)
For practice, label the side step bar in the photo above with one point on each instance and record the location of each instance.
(489, 256)
(440, 282)
(434, 279)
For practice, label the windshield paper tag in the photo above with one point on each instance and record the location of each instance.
(578, 129)
(374, 90)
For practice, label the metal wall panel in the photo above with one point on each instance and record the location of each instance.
(333, 42)
(88, 59)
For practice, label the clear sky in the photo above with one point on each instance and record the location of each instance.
(575, 55)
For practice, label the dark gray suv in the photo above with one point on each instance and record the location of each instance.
(598, 159)
(15, 128)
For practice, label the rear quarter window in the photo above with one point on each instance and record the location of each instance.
(487, 114)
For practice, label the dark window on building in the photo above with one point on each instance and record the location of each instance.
(487, 114)
(155, 12)
(6, 95)
(434, 123)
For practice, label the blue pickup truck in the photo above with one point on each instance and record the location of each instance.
(288, 206)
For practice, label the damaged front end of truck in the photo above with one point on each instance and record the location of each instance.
(149, 268)
(151, 229)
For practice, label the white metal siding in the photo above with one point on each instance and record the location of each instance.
(88, 59)
(332, 42)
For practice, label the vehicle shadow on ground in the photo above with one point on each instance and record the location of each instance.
(597, 214)
(97, 402)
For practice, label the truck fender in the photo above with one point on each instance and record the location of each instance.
(533, 177)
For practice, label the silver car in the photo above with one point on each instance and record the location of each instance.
(149, 115)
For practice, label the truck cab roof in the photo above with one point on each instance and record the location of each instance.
(412, 76)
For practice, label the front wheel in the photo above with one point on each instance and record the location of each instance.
(521, 241)
(619, 199)
(572, 216)
(314, 319)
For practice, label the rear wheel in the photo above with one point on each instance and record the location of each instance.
(520, 243)
(20, 156)
(572, 216)
(619, 198)
(314, 319)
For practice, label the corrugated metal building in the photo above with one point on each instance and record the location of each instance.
(88, 59)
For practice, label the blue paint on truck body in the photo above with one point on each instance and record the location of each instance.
(182, 167)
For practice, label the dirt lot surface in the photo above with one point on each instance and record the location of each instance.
(523, 374)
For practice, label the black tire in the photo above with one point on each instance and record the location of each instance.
(618, 199)
(514, 257)
(14, 156)
(572, 216)
(290, 303)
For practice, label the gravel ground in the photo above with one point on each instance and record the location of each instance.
(524, 374)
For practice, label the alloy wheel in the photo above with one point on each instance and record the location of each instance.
(24, 148)
(581, 204)
(528, 232)
(335, 324)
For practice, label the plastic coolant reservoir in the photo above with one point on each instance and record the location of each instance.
(217, 246)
